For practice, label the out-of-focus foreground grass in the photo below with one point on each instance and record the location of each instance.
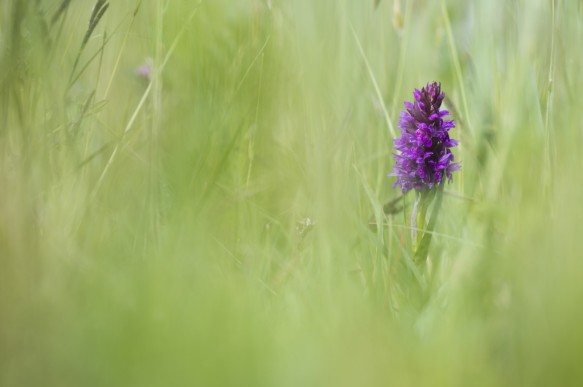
(210, 226)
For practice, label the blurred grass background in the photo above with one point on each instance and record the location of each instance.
(209, 225)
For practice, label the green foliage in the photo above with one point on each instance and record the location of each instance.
(222, 221)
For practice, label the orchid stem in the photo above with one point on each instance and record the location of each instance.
(423, 240)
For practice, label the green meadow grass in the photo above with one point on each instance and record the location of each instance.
(222, 223)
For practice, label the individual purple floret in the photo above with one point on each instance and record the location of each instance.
(424, 147)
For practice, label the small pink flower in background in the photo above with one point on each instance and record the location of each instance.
(145, 69)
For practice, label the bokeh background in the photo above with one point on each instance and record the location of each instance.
(216, 219)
